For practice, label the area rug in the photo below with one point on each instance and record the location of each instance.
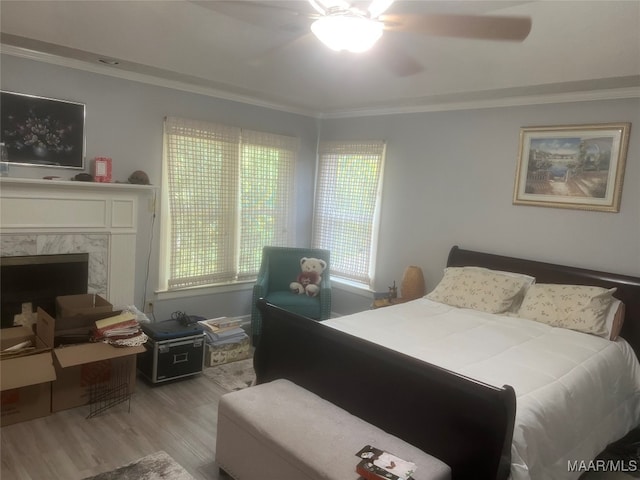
(157, 466)
(232, 376)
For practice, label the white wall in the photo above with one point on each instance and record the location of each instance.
(449, 176)
(449, 181)
(124, 121)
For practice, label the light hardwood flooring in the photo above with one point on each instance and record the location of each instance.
(179, 418)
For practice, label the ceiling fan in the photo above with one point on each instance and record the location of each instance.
(345, 26)
(356, 25)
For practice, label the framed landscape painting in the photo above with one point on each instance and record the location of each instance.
(42, 131)
(573, 166)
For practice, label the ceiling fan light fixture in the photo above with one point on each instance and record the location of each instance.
(325, 6)
(347, 32)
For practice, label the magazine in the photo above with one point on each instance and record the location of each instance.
(220, 324)
(377, 464)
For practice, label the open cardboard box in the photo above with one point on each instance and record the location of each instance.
(82, 304)
(26, 376)
(88, 371)
(76, 316)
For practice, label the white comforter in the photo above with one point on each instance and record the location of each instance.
(575, 392)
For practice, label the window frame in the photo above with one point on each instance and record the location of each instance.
(353, 148)
(284, 209)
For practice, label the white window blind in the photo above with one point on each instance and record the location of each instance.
(348, 189)
(266, 192)
(228, 193)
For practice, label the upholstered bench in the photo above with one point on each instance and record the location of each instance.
(280, 431)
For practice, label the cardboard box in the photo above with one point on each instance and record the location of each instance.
(76, 316)
(218, 355)
(87, 371)
(25, 377)
(82, 304)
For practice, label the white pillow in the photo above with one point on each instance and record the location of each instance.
(481, 289)
(615, 319)
(577, 307)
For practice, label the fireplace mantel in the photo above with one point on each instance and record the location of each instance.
(62, 185)
(50, 216)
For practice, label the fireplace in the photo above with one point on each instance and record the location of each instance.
(39, 279)
(43, 217)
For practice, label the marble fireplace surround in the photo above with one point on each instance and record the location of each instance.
(44, 217)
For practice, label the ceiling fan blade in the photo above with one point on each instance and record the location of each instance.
(271, 15)
(483, 27)
(300, 42)
(395, 59)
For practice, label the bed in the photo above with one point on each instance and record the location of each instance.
(529, 415)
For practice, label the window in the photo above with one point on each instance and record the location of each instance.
(227, 193)
(348, 191)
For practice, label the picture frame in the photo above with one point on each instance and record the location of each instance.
(572, 166)
(41, 131)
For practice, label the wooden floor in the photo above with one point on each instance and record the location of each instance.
(179, 418)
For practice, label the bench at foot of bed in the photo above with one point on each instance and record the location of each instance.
(280, 431)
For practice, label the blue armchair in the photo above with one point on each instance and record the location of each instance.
(281, 266)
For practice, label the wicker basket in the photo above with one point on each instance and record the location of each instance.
(412, 285)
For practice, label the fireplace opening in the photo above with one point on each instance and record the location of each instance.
(39, 279)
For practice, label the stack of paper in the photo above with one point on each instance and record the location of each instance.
(233, 335)
(223, 330)
(220, 324)
(120, 326)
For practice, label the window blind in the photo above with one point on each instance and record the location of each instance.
(348, 187)
(266, 193)
(228, 193)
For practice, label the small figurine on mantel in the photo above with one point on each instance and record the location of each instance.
(393, 291)
(139, 178)
(83, 177)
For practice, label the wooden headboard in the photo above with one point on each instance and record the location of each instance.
(628, 288)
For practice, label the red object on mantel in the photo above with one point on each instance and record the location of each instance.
(102, 169)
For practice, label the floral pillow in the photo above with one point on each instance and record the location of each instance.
(480, 289)
(577, 307)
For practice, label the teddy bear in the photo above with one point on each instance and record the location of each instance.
(308, 282)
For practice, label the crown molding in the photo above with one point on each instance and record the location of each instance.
(507, 101)
(418, 106)
(148, 79)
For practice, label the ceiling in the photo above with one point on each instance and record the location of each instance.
(262, 52)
